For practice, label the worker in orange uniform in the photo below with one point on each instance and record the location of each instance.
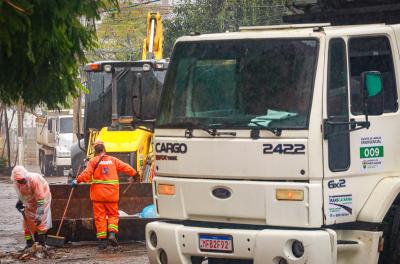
(34, 200)
(102, 173)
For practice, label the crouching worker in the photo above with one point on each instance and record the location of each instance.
(102, 172)
(34, 201)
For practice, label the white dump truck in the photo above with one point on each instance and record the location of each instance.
(54, 137)
(280, 145)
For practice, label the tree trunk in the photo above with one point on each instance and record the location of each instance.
(20, 134)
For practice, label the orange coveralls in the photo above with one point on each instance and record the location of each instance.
(104, 191)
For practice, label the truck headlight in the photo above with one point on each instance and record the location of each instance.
(166, 189)
(289, 194)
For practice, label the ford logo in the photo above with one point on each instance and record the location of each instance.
(221, 193)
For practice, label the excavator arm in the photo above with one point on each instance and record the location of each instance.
(153, 43)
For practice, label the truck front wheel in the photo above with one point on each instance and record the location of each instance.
(391, 235)
(41, 162)
(60, 170)
(47, 171)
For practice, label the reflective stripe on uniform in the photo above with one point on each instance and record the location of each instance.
(40, 202)
(101, 234)
(105, 181)
(28, 238)
(111, 226)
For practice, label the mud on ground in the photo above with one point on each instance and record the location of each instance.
(12, 239)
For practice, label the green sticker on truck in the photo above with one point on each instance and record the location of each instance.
(371, 153)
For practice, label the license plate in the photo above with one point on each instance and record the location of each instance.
(216, 243)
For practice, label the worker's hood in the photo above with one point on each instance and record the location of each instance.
(24, 191)
(18, 172)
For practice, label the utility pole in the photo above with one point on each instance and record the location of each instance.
(76, 117)
(20, 134)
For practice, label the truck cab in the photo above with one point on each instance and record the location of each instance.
(278, 145)
(54, 136)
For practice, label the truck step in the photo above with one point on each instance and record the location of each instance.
(347, 245)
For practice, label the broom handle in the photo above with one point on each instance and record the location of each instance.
(127, 188)
(65, 211)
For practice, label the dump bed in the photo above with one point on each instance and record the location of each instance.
(78, 223)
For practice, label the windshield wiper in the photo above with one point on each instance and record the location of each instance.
(212, 131)
(275, 130)
(190, 126)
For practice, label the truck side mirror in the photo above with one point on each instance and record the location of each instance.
(373, 92)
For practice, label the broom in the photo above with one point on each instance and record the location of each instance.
(57, 240)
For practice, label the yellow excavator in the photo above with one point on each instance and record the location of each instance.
(120, 109)
(135, 92)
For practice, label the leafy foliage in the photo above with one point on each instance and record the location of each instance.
(210, 16)
(42, 45)
(120, 35)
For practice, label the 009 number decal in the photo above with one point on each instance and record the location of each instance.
(284, 149)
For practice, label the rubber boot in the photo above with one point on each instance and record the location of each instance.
(29, 244)
(103, 243)
(42, 239)
(113, 239)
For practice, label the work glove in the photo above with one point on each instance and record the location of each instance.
(38, 221)
(20, 206)
(39, 215)
(74, 183)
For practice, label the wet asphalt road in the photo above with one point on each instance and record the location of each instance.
(12, 240)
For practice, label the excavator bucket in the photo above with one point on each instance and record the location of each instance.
(78, 224)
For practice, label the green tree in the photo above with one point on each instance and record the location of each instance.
(120, 35)
(42, 45)
(211, 16)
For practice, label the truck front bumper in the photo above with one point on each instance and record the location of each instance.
(180, 244)
(66, 162)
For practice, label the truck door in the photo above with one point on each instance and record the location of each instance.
(51, 129)
(355, 161)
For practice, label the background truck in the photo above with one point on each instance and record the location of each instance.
(54, 137)
(279, 144)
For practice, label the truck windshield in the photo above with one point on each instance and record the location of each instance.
(65, 125)
(240, 84)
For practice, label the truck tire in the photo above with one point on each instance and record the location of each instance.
(59, 171)
(391, 235)
(46, 165)
(41, 162)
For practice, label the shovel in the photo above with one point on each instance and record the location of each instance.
(26, 223)
(35, 246)
(57, 240)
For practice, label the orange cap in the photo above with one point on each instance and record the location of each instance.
(19, 177)
(98, 142)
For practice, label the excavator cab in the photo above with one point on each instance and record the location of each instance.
(123, 95)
